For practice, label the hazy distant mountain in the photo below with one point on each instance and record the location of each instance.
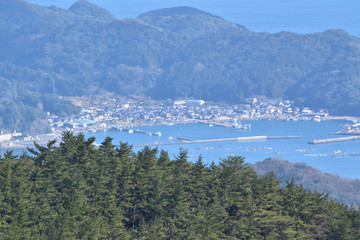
(341, 189)
(84, 8)
(166, 53)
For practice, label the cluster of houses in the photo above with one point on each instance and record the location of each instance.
(126, 113)
(280, 109)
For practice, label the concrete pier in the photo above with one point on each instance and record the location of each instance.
(239, 139)
(332, 140)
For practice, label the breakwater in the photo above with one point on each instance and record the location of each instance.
(333, 140)
(238, 139)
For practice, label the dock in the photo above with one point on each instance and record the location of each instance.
(238, 139)
(333, 140)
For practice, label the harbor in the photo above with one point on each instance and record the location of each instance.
(340, 157)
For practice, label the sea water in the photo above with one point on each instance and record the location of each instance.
(342, 158)
(299, 16)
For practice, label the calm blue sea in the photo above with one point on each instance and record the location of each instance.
(339, 158)
(300, 16)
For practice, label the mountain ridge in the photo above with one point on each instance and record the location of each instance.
(172, 53)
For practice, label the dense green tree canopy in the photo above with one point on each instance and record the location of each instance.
(76, 191)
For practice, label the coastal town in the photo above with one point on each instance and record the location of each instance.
(125, 114)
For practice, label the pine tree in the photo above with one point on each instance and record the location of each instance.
(296, 203)
(270, 218)
(236, 196)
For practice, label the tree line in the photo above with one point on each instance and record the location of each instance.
(74, 190)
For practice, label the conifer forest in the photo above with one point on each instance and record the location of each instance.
(74, 190)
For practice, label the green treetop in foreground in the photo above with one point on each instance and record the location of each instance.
(75, 191)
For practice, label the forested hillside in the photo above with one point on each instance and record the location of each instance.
(75, 191)
(341, 189)
(168, 53)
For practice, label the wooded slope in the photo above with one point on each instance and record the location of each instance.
(168, 53)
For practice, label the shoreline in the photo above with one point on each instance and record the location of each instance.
(45, 138)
